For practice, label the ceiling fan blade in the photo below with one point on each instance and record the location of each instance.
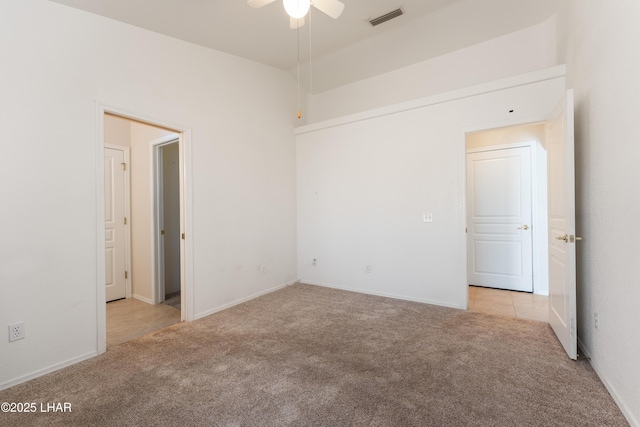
(333, 8)
(259, 3)
(294, 24)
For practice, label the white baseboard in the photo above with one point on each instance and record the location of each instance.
(633, 422)
(381, 294)
(47, 370)
(143, 299)
(240, 301)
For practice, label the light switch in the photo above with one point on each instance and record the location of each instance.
(427, 217)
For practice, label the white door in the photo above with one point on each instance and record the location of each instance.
(499, 224)
(114, 204)
(170, 209)
(562, 226)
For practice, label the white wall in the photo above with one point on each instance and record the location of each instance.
(516, 53)
(364, 184)
(603, 68)
(56, 62)
(417, 37)
(117, 131)
(508, 135)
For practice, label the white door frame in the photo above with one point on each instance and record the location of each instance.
(127, 213)
(157, 246)
(462, 144)
(186, 203)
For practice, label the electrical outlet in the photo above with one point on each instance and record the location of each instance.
(314, 262)
(596, 321)
(427, 217)
(367, 269)
(16, 331)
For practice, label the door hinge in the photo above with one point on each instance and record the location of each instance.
(182, 236)
(125, 220)
(124, 166)
(162, 232)
(126, 274)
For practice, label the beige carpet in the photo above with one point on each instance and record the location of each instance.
(311, 356)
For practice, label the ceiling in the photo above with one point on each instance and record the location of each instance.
(342, 51)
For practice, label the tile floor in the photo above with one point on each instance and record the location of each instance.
(130, 318)
(508, 303)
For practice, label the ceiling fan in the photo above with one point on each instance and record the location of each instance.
(297, 9)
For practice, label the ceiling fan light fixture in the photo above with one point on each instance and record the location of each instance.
(297, 8)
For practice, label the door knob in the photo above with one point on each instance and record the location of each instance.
(565, 238)
(524, 227)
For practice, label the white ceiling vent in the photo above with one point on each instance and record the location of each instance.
(386, 17)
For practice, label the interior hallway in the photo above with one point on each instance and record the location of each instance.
(520, 305)
(130, 318)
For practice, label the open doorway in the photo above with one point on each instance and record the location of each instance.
(140, 310)
(507, 258)
(167, 235)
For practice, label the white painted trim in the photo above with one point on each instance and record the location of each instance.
(187, 299)
(530, 144)
(157, 224)
(47, 370)
(551, 73)
(187, 296)
(381, 294)
(101, 292)
(624, 408)
(127, 213)
(536, 221)
(187, 284)
(462, 196)
(242, 300)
